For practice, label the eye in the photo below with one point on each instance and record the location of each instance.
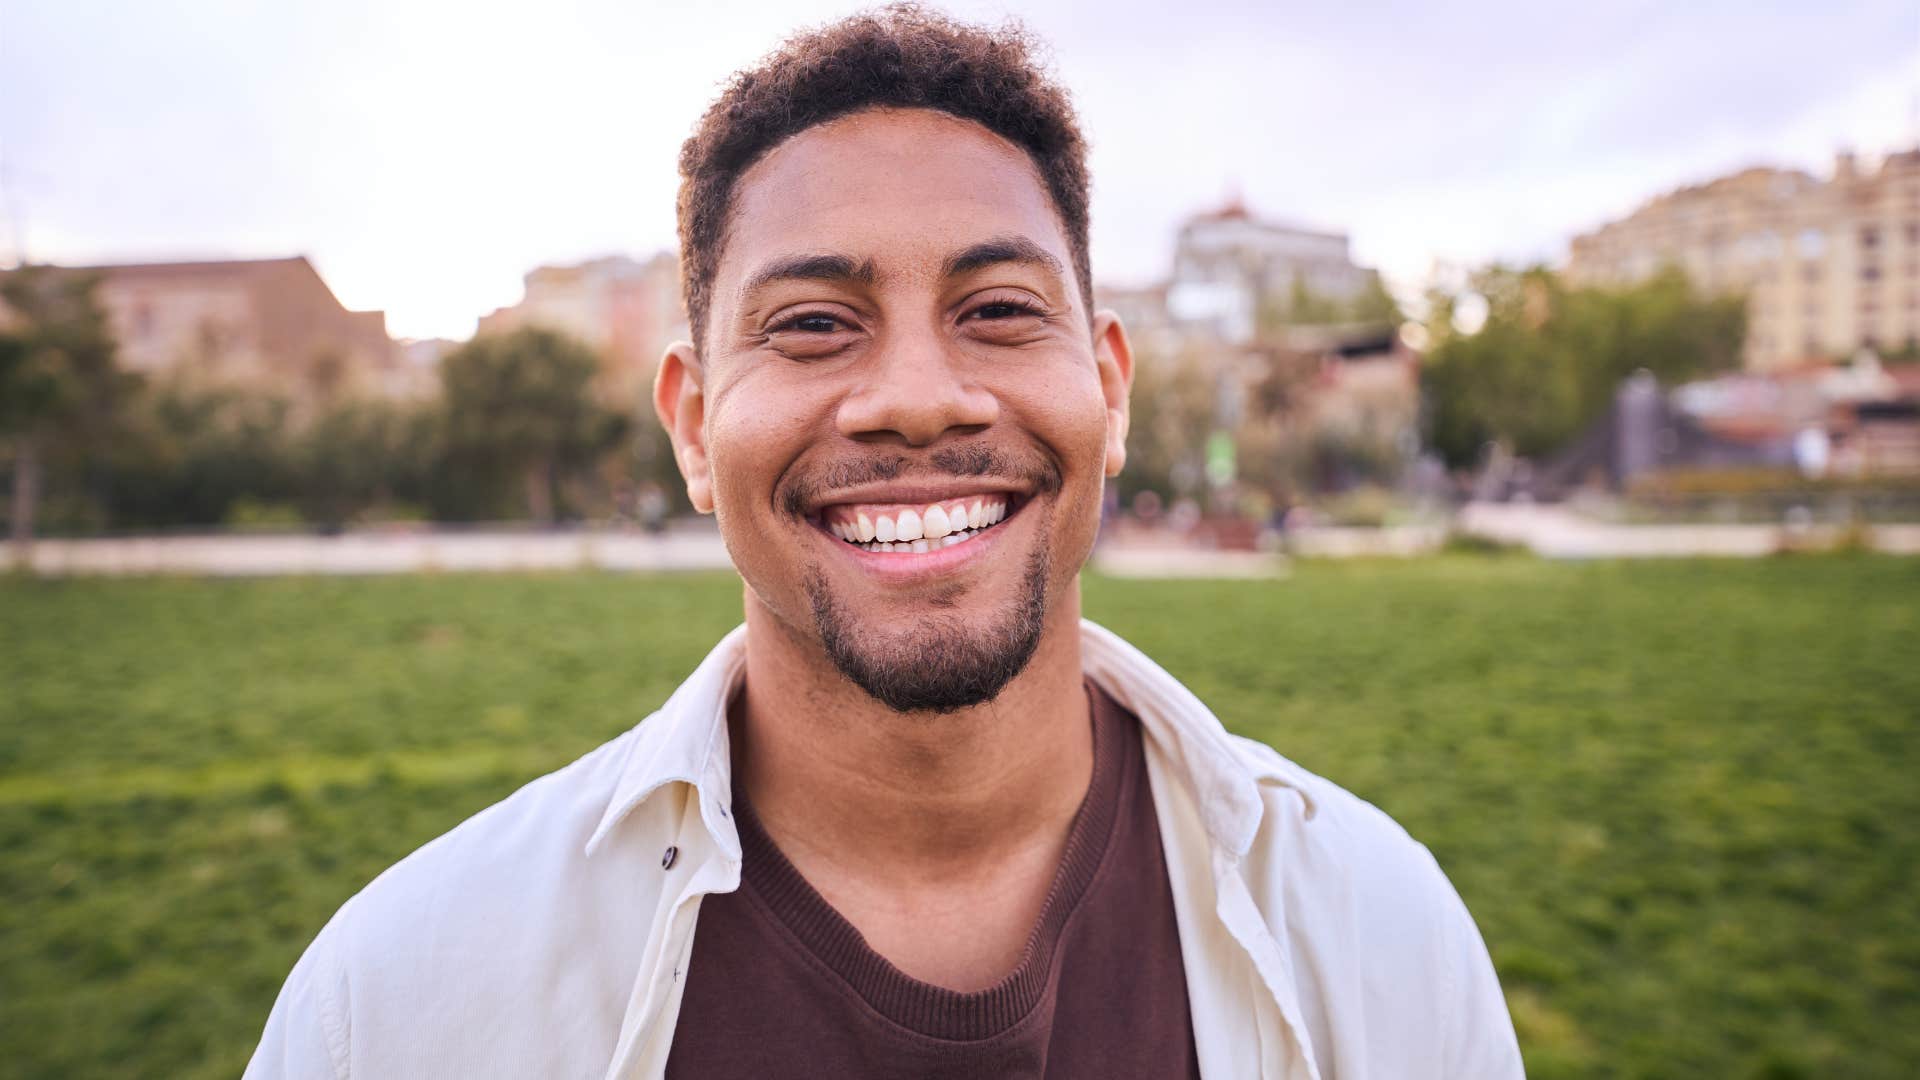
(1006, 318)
(813, 322)
(812, 334)
(1004, 309)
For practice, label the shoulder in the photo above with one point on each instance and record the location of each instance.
(434, 961)
(1308, 809)
(500, 858)
(1372, 922)
(1326, 851)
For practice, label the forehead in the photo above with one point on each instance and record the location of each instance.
(903, 187)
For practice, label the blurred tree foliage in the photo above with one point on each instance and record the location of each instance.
(517, 431)
(190, 453)
(1547, 360)
(1172, 410)
(1302, 306)
(61, 391)
(196, 455)
(521, 404)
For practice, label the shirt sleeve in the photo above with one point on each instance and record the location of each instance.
(1479, 1039)
(306, 1034)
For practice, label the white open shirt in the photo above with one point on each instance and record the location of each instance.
(549, 935)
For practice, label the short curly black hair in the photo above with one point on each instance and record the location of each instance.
(900, 56)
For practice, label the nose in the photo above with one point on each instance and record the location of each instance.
(915, 390)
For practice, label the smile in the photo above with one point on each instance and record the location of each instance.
(918, 527)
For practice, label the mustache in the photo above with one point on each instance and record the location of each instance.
(1036, 472)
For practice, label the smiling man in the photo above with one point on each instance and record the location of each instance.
(916, 818)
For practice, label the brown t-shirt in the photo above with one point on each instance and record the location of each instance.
(780, 985)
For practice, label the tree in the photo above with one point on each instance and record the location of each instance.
(358, 456)
(1174, 401)
(1547, 360)
(60, 387)
(1373, 305)
(521, 403)
(187, 454)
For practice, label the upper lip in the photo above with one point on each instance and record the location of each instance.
(920, 493)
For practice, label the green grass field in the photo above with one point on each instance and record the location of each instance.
(1682, 799)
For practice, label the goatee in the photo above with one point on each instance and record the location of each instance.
(947, 663)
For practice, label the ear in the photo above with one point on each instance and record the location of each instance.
(1114, 357)
(678, 401)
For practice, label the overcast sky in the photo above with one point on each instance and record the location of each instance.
(425, 155)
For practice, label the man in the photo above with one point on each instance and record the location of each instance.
(915, 819)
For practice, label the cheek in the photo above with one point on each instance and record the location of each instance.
(753, 434)
(1069, 414)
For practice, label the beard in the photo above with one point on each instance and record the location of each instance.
(947, 664)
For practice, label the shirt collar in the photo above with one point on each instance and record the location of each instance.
(1223, 776)
(686, 742)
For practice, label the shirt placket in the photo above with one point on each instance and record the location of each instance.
(695, 867)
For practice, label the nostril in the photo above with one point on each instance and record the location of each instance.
(918, 411)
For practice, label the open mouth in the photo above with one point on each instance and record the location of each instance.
(921, 527)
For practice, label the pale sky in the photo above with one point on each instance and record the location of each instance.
(426, 155)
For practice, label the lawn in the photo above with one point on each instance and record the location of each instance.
(1682, 799)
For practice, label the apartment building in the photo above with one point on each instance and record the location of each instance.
(1829, 266)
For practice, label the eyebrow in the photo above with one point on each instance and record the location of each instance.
(810, 268)
(1000, 249)
(844, 268)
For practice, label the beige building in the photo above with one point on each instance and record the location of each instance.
(1829, 266)
(263, 324)
(627, 310)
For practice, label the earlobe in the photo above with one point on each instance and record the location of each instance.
(682, 408)
(1114, 357)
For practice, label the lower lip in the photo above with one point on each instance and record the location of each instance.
(904, 565)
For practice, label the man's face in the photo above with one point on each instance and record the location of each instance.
(903, 421)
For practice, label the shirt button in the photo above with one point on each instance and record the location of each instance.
(666, 861)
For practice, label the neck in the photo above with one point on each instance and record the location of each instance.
(911, 798)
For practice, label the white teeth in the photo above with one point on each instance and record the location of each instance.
(938, 525)
(908, 526)
(935, 523)
(923, 544)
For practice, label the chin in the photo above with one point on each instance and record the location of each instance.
(941, 661)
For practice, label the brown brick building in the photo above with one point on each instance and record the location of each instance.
(265, 324)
